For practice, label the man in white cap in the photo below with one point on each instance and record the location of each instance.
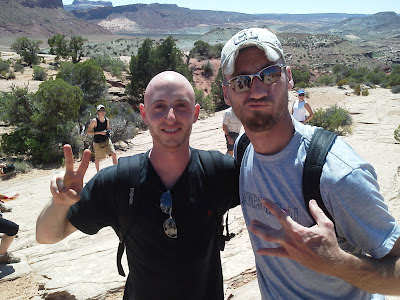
(295, 258)
(100, 129)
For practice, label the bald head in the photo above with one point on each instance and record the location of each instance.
(169, 84)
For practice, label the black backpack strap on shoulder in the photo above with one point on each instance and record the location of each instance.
(243, 142)
(128, 179)
(211, 162)
(321, 142)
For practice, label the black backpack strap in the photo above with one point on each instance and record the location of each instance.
(321, 142)
(211, 162)
(128, 180)
(241, 148)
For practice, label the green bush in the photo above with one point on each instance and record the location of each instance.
(88, 76)
(342, 82)
(150, 61)
(334, 118)
(18, 67)
(365, 92)
(4, 65)
(113, 65)
(208, 69)
(325, 80)
(397, 134)
(357, 90)
(395, 89)
(27, 49)
(301, 77)
(39, 73)
(205, 103)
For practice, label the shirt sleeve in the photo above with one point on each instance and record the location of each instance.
(96, 208)
(360, 214)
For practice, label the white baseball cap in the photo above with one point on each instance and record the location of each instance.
(259, 37)
(101, 106)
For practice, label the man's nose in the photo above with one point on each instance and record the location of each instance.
(258, 89)
(171, 114)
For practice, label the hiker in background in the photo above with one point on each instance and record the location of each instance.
(100, 129)
(9, 230)
(173, 248)
(301, 108)
(231, 126)
(296, 259)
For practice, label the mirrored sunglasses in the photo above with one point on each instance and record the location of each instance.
(268, 75)
(166, 207)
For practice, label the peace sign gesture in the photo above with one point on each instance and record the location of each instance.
(67, 186)
(316, 247)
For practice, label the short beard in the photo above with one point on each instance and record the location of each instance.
(259, 122)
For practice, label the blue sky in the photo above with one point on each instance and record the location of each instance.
(279, 6)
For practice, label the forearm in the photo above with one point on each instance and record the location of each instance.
(52, 224)
(380, 276)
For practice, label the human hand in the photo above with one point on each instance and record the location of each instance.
(316, 247)
(67, 186)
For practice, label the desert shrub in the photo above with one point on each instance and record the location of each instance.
(113, 65)
(397, 134)
(208, 69)
(18, 67)
(206, 103)
(11, 75)
(325, 80)
(217, 93)
(27, 49)
(39, 73)
(4, 65)
(38, 132)
(334, 118)
(357, 89)
(75, 48)
(342, 82)
(364, 92)
(150, 61)
(58, 46)
(395, 89)
(301, 76)
(88, 76)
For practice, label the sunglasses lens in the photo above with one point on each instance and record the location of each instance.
(166, 202)
(241, 83)
(270, 74)
(170, 228)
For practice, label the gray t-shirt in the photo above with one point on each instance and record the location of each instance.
(351, 195)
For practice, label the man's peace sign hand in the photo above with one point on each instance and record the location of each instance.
(67, 186)
(316, 247)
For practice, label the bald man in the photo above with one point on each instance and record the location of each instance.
(172, 244)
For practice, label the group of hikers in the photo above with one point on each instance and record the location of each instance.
(166, 204)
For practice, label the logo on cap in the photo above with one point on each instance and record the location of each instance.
(244, 36)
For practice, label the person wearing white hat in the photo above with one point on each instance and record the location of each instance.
(100, 129)
(301, 109)
(297, 252)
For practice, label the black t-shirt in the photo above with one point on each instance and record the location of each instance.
(188, 267)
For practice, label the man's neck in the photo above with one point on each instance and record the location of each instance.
(274, 140)
(169, 163)
(101, 119)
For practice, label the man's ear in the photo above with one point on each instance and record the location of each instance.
(142, 110)
(196, 112)
(226, 96)
(289, 78)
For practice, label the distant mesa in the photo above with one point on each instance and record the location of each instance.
(86, 4)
